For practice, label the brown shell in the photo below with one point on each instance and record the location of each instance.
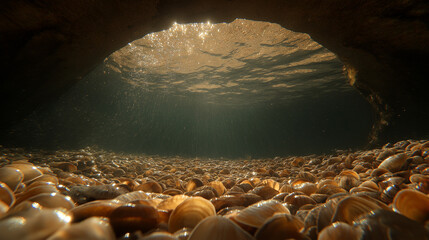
(281, 226)
(256, 214)
(219, 228)
(412, 204)
(189, 213)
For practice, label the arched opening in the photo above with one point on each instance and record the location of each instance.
(240, 89)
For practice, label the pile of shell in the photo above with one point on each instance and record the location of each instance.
(93, 194)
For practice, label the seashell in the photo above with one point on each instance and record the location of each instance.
(279, 197)
(298, 199)
(189, 213)
(245, 186)
(256, 214)
(306, 187)
(330, 190)
(339, 231)
(383, 224)
(34, 222)
(29, 171)
(421, 182)
(65, 166)
(204, 193)
(132, 196)
(12, 177)
(281, 226)
(46, 188)
(326, 212)
(219, 187)
(133, 217)
(310, 219)
(193, 184)
(307, 176)
(298, 161)
(149, 186)
(324, 182)
(3, 209)
(394, 163)
(265, 192)
(235, 200)
(378, 172)
(183, 234)
(352, 207)
(412, 204)
(93, 228)
(286, 188)
(218, 228)
(270, 183)
(159, 236)
(53, 200)
(172, 192)
(228, 183)
(82, 194)
(172, 203)
(99, 208)
(370, 184)
(6, 195)
(385, 154)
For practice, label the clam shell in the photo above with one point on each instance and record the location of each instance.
(133, 217)
(93, 228)
(6, 194)
(132, 196)
(39, 224)
(189, 213)
(172, 203)
(218, 228)
(100, 208)
(53, 200)
(412, 204)
(159, 236)
(352, 207)
(219, 187)
(339, 231)
(235, 200)
(394, 163)
(29, 171)
(150, 186)
(280, 226)
(256, 214)
(11, 177)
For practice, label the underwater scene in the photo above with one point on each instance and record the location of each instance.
(241, 130)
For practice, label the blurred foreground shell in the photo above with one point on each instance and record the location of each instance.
(219, 228)
(11, 177)
(280, 226)
(412, 204)
(339, 231)
(92, 228)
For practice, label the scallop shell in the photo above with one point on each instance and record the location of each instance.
(93, 228)
(412, 204)
(280, 226)
(189, 213)
(218, 228)
(256, 214)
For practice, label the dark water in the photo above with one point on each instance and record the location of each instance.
(106, 112)
(239, 90)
